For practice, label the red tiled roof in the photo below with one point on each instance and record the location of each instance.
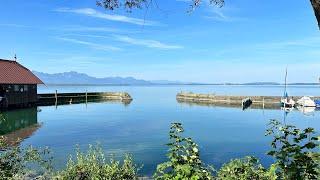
(11, 72)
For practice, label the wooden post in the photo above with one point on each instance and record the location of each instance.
(56, 97)
(263, 103)
(86, 96)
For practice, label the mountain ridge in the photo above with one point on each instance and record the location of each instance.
(76, 78)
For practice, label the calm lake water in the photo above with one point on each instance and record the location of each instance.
(141, 128)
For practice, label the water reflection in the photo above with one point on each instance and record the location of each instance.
(18, 124)
(308, 111)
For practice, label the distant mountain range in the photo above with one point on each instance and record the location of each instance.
(75, 78)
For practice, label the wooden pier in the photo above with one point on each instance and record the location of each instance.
(267, 102)
(75, 98)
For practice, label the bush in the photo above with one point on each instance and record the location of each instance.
(184, 159)
(296, 151)
(16, 162)
(246, 168)
(93, 165)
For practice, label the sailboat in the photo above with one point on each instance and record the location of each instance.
(285, 101)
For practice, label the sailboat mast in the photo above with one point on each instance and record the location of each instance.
(285, 83)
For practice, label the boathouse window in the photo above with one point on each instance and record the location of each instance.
(25, 87)
(16, 88)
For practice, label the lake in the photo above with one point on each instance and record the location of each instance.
(141, 128)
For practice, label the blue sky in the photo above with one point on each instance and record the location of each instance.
(245, 41)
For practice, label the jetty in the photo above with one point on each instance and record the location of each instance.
(56, 98)
(267, 102)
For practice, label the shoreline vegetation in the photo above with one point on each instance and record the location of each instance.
(295, 152)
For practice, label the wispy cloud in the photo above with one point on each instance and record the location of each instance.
(110, 17)
(15, 25)
(93, 29)
(146, 42)
(222, 14)
(90, 44)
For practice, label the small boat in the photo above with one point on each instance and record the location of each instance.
(317, 101)
(287, 102)
(306, 101)
(246, 103)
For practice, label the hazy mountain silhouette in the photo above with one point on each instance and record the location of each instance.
(73, 77)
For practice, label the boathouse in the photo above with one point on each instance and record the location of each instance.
(18, 85)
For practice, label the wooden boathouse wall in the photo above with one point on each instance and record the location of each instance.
(19, 94)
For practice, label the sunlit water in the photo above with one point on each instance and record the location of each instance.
(141, 128)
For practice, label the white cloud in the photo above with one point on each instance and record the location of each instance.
(85, 28)
(15, 25)
(146, 43)
(120, 18)
(90, 44)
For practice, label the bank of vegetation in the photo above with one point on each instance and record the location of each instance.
(296, 154)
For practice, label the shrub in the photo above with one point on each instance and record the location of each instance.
(246, 168)
(296, 151)
(184, 159)
(93, 165)
(16, 162)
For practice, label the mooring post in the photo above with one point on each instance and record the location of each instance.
(86, 96)
(56, 97)
(263, 102)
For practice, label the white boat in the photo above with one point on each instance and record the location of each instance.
(306, 101)
(287, 102)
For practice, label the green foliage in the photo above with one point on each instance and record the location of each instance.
(184, 158)
(296, 151)
(93, 165)
(246, 168)
(15, 161)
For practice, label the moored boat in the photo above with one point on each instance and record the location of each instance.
(317, 101)
(246, 103)
(306, 101)
(287, 102)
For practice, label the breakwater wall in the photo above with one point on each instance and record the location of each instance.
(75, 98)
(269, 102)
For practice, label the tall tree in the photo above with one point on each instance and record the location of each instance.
(138, 4)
